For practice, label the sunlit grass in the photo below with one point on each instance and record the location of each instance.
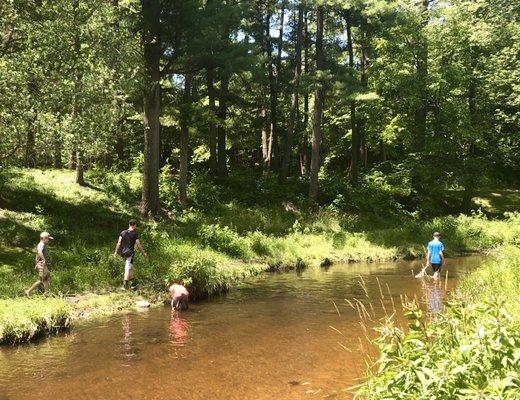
(207, 249)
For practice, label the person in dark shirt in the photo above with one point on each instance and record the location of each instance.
(126, 248)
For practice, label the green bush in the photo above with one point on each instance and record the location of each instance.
(203, 192)
(168, 188)
(261, 244)
(200, 275)
(224, 239)
(471, 352)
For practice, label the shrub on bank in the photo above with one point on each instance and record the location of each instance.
(21, 320)
(200, 275)
(470, 351)
(226, 240)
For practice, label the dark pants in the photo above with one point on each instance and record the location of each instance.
(436, 267)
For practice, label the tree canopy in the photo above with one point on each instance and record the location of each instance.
(422, 95)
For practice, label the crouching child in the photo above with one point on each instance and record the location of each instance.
(179, 295)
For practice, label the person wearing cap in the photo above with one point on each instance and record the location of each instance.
(435, 254)
(41, 265)
(126, 247)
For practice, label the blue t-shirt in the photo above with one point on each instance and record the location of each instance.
(435, 247)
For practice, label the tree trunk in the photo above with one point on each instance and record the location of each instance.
(80, 179)
(30, 151)
(382, 150)
(304, 150)
(57, 161)
(72, 160)
(222, 113)
(210, 80)
(78, 77)
(266, 157)
(184, 142)
(294, 100)
(356, 140)
(471, 167)
(318, 110)
(422, 76)
(273, 139)
(120, 146)
(151, 40)
(364, 153)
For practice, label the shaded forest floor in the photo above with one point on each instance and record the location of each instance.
(233, 230)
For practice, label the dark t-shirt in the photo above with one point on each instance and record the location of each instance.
(128, 239)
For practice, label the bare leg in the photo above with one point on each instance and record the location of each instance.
(46, 287)
(34, 286)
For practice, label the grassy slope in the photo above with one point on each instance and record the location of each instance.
(205, 250)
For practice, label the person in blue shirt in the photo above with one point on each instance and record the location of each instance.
(435, 255)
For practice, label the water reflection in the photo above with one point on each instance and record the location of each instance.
(128, 350)
(433, 295)
(178, 329)
(236, 342)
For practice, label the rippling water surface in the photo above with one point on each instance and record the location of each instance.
(280, 336)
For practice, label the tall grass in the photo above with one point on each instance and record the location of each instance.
(471, 350)
(22, 320)
(228, 234)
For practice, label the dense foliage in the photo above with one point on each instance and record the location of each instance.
(469, 351)
(419, 96)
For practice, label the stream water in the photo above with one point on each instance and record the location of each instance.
(277, 336)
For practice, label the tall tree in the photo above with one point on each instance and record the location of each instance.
(318, 107)
(222, 114)
(151, 41)
(294, 98)
(355, 149)
(422, 76)
(212, 126)
(304, 147)
(30, 150)
(184, 140)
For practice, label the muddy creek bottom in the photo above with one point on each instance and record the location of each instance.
(280, 336)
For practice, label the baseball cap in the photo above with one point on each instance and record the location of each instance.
(45, 234)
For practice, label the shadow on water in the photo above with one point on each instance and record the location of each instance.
(276, 336)
(433, 295)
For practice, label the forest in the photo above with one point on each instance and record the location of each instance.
(262, 146)
(414, 99)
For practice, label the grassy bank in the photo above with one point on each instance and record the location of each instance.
(221, 239)
(470, 351)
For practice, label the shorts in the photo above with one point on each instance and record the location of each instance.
(129, 268)
(436, 267)
(43, 271)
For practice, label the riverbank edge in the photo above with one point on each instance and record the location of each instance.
(466, 348)
(61, 313)
(40, 316)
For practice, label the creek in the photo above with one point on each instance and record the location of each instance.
(276, 336)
